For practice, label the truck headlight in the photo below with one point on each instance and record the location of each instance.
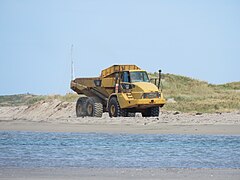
(151, 95)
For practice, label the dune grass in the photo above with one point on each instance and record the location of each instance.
(20, 99)
(191, 95)
(29, 99)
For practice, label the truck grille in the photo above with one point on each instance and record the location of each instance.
(151, 95)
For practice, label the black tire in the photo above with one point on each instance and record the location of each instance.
(94, 107)
(146, 113)
(131, 114)
(126, 113)
(155, 111)
(151, 112)
(81, 107)
(114, 109)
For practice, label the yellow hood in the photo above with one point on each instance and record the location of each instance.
(145, 87)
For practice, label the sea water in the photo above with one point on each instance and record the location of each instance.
(101, 150)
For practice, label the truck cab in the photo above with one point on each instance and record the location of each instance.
(136, 94)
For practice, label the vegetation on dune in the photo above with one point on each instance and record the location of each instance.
(20, 99)
(184, 94)
(69, 97)
(29, 99)
(191, 95)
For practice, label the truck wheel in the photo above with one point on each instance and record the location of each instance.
(131, 114)
(151, 112)
(155, 111)
(81, 107)
(146, 113)
(94, 107)
(126, 113)
(114, 109)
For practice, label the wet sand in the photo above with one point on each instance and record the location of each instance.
(119, 173)
(160, 128)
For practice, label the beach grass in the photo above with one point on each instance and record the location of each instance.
(191, 95)
(29, 99)
(20, 99)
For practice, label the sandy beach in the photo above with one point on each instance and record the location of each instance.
(57, 116)
(121, 127)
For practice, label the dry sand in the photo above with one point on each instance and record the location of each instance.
(57, 116)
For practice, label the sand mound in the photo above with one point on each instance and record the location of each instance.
(52, 109)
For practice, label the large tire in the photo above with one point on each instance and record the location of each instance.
(114, 109)
(146, 113)
(151, 112)
(124, 113)
(127, 113)
(131, 114)
(94, 107)
(155, 111)
(81, 107)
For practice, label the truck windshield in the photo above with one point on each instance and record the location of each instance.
(139, 76)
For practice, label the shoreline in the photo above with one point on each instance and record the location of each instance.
(160, 128)
(119, 173)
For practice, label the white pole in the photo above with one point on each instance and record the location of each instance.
(72, 64)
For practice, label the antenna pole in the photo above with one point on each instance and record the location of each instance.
(72, 64)
(159, 78)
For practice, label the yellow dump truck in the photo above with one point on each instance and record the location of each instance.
(121, 90)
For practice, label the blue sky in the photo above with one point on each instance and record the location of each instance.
(200, 39)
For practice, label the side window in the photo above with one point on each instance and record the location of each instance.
(125, 77)
(145, 77)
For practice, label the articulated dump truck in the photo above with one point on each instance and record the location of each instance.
(121, 90)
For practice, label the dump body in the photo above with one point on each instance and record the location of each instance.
(117, 68)
(107, 81)
(126, 84)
